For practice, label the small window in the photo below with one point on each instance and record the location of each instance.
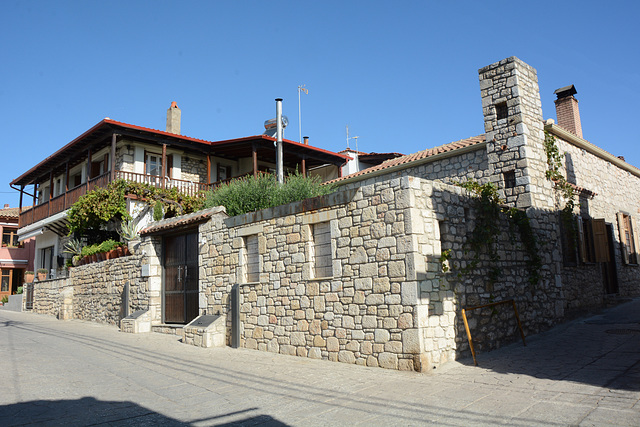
(568, 232)
(321, 247)
(250, 260)
(628, 238)
(501, 110)
(7, 276)
(10, 237)
(154, 165)
(509, 179)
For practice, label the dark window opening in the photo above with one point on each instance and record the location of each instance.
(501, 110)
(509, 179)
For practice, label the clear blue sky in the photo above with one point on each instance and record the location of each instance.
(402, 75)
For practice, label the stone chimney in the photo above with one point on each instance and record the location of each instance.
(173, 119)
(567, 110)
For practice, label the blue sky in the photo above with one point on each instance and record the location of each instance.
(402, 75)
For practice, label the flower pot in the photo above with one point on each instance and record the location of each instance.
(93, 258)
(28, 278)
(42, 276)
(120, 251)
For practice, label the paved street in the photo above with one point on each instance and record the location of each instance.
(586, 372)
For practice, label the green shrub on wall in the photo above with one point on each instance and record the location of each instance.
(251, 194)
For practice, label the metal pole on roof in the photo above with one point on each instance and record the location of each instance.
(279, 159)
(301, 88)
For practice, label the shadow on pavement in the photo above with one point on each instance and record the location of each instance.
(89, 411)
(601, 350)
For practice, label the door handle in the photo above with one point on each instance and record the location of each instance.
(179, 273)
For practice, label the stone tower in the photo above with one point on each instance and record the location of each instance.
(515, 133)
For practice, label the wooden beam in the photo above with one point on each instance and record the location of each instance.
(164, 164)
(254, 154)
(88, 168)
(304, 166)
(112, 161)
(51, 184)
(208, 169)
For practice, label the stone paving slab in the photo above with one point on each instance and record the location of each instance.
(80, 373)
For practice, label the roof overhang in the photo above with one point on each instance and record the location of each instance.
(56, 223)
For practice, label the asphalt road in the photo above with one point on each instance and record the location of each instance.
(52, 372)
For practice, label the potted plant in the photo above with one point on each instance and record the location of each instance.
(42, 274)
(28, 276)
(129, 233)
(108, 247)
(74, 247)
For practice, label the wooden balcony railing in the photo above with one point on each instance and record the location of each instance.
(64, 201)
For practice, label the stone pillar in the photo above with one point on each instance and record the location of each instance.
(515, 132)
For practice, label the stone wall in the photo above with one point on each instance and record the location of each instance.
(49, 295)
(193, 169)
(98, 289)
(616, 190)
(95, 291)
(364, 314)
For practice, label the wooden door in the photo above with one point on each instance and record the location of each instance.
(181, 278)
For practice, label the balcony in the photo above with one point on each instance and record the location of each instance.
(65, 201)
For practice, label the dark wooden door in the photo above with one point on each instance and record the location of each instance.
(181, 278)
(609, 272)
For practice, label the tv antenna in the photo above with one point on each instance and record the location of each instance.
(301, 88)
(351, 137)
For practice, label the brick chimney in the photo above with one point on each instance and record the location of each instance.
(173, 118)
(567, 110)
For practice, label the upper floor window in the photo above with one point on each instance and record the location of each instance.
(10, 237)
(153, 165)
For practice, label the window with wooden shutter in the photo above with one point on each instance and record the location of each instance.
(600, 243)
(628, 238)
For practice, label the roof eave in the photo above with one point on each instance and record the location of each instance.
(591, 148)
(419, 162)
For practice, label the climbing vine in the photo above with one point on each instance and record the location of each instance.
(102, 205)
(566, 190)
(484, 238)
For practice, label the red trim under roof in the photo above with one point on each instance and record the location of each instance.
(108, 121)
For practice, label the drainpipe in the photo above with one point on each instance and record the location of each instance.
(279, 160)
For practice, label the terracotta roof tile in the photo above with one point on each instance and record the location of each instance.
(12, 212)
(410, 158)
(181, 221)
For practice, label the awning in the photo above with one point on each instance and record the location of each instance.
(56, 223)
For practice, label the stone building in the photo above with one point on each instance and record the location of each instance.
(113, 150)
(377, 272)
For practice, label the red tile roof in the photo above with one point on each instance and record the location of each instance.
(181, 221)
(410, 158)
(12, 213)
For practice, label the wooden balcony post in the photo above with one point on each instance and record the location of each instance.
(254, 153)
(304, 166)
(88, 168)
(164, 164)
(112, 162)
(66, 183)
(208, 169)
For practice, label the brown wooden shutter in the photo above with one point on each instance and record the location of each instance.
(623, 239)
(582, 247)
(601, 248)
(636, 244)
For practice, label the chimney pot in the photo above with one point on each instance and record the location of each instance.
(6, 205)
(567, 110)
(173, 118)
(306, 140)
